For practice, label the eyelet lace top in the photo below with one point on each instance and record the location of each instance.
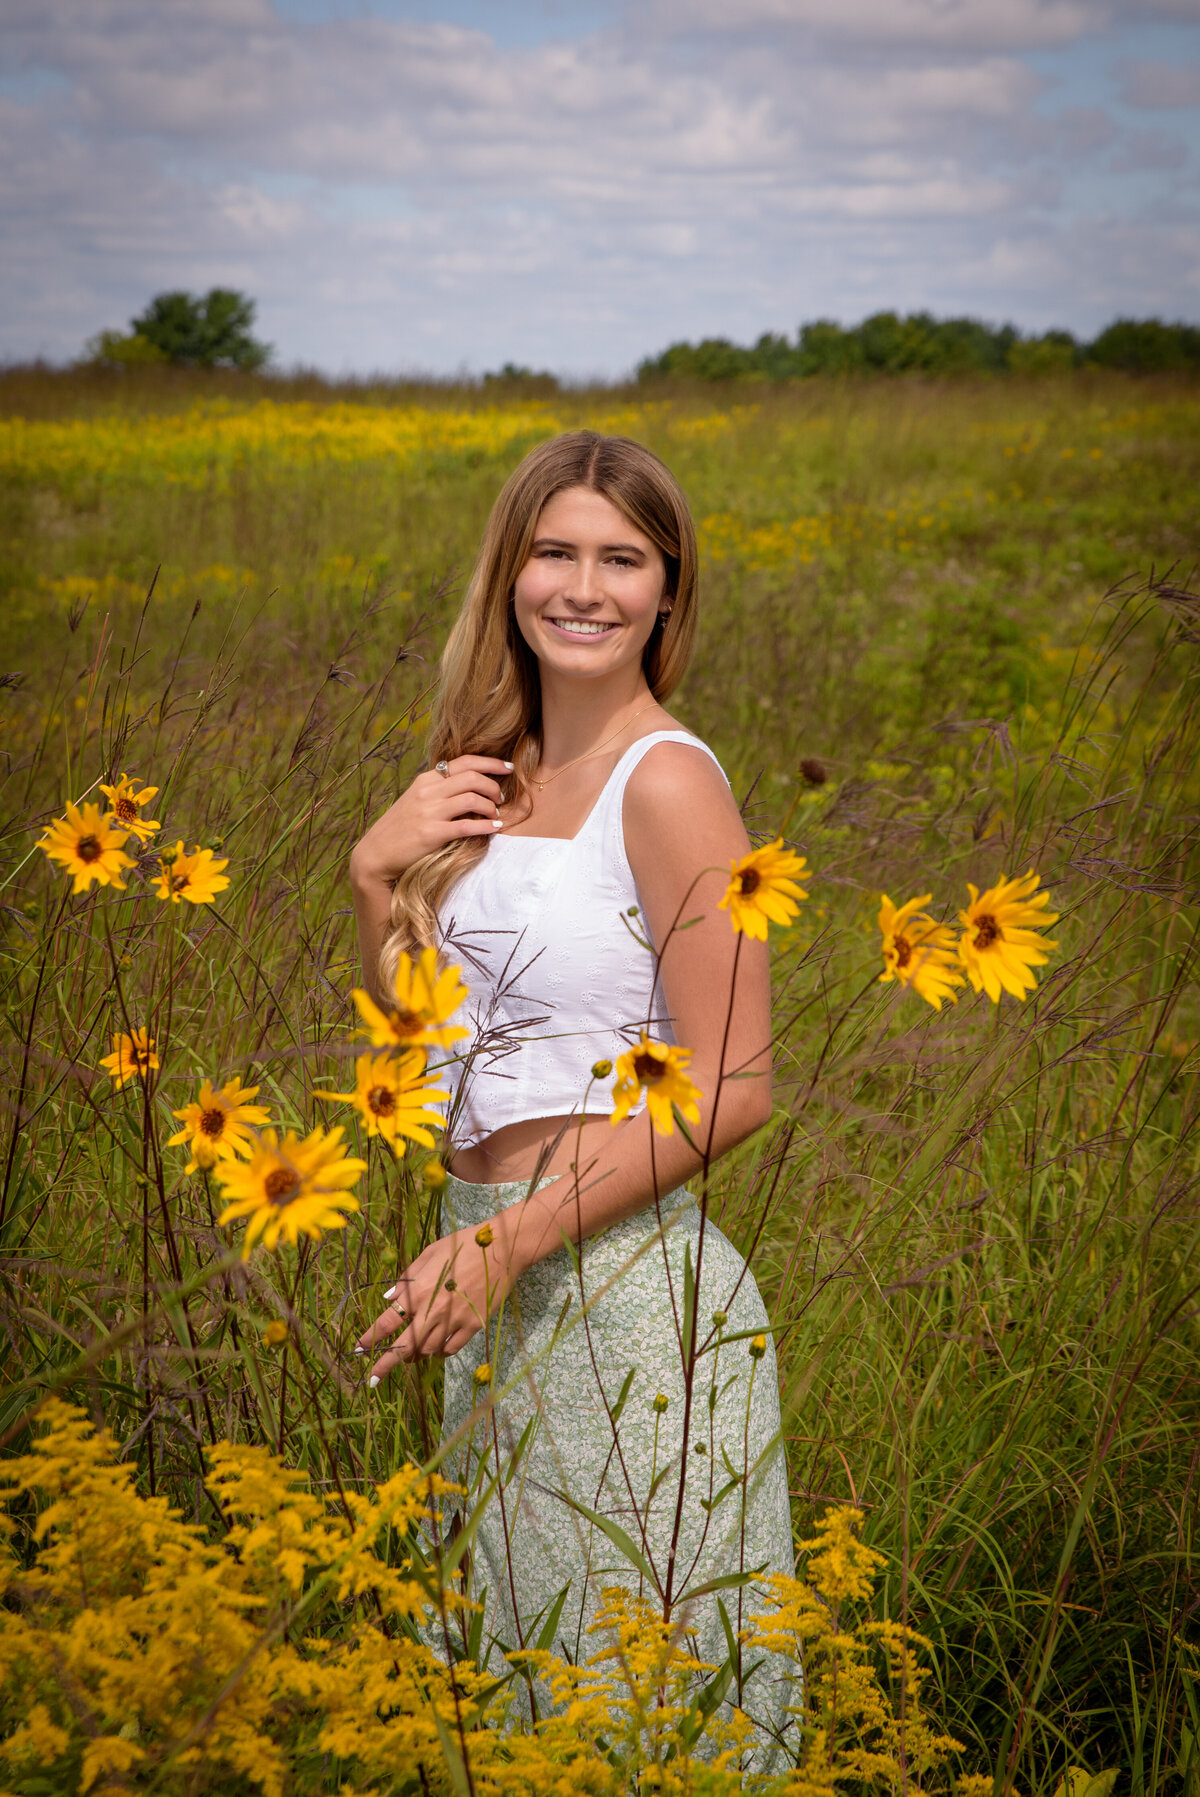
(558, 976)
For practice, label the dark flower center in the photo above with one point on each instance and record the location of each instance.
(987, 931)
(126, 810)
(89, 848)
(749, 881)
(280, 1184)
(381, 1100)
(212, 1123)
(903, 951)
(178, 882)
(814, 772)
(649, 1068)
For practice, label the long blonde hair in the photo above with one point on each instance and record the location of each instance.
(489, 699)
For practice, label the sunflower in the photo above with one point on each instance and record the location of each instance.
(763, 889)
(917, 951)
(390, 1094)
(196, 877)
(89, 845)
(218, 1125)
(1000, 945)
(657, 1069)
(131, 1055)
(290, 1188)
(125, 803)
(425, 998)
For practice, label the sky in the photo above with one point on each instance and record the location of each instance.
(437, 186)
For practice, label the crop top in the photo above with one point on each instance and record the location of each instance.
(558, 980)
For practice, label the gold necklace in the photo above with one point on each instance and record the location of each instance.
(543, 784)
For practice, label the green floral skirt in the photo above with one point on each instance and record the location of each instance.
(584, 1419)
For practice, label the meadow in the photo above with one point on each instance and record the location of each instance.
(950, 634)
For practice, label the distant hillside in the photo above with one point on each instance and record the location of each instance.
(918, 343)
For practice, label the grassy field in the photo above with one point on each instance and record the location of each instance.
(969, 611)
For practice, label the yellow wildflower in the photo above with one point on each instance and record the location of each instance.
(197, 876)
(1000, 944)
(425, 999)
(434, 1175)
(290, 1188)
(391, 1094)
(657, 1069)
(917, 951)
(125, 803)
(89, 845)
(485, 1235)
(217, 1126)
(131, 1055)
(483, 1374)
(275, 1334)
(763, 889)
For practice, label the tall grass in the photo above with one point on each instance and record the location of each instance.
(976, 1230)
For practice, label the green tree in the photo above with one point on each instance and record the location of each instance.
(213, 331)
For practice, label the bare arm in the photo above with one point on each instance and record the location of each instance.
(435, 809)
(682, 829)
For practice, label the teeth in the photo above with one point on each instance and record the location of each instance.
(579, 628)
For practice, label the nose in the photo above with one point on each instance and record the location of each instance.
(582, 588)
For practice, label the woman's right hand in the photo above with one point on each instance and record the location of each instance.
(435, 809)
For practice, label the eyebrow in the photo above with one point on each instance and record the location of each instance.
(605, 548)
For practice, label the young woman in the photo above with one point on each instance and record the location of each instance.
(569, 850)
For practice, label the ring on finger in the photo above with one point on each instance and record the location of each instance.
(442, 768)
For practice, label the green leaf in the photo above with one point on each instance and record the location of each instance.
(619, 1406)
(685, 1132)
(689, 1297)
(545, 1640)
(616, 1535)
(727, 1582)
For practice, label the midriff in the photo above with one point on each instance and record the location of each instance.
(512, 1152)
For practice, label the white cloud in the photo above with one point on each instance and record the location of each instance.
(404, 192)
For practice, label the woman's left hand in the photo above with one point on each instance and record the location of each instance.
(442, 1299)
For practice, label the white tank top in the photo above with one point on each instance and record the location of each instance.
(558, 981)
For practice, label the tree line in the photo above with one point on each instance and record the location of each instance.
(919, 343)
(214, 330)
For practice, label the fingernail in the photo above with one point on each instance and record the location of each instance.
(496, 824)
(508, 765)
(373, 1381)
(360, 1350)
(390, 1292)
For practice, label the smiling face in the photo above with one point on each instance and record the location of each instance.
(588, 598)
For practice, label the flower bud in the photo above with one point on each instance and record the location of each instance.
(758, 1347)
(434, 1175)
(484, 1235)
(483, 1374)
(450, 1285)
(700, 1448)
(661, 1402)
(602, 1069)
(720, 1318)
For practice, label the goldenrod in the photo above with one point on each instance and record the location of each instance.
(424, 997)
(196, 876)
(131, 1055)
(917, 951)
(1000, 944)
(218, 1125)
(125, 802)
(89, 845)
(657, 1069)
(763, 889)
(391, 1094)
(291, 1188)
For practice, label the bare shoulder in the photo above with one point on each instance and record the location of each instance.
(678, 796)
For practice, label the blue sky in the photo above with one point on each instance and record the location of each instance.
(435, 185)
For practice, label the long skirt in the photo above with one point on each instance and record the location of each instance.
(587, 1359)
